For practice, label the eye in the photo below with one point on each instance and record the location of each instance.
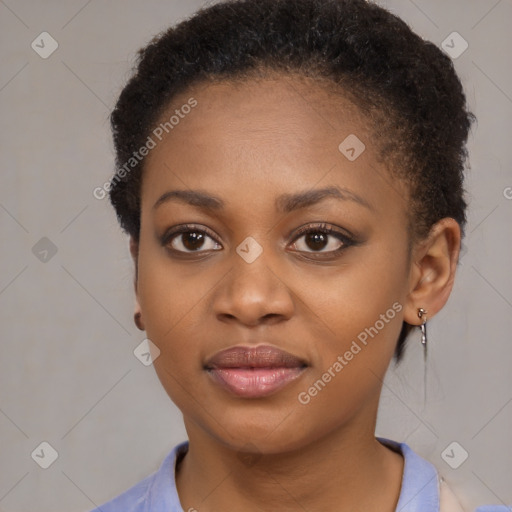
(318, 239)
(321, 239)
(190, 239)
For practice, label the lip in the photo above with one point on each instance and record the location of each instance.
(254, 372)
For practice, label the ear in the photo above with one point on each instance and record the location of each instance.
(434, 263)
(137, 315)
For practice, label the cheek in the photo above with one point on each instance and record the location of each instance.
(174, 303)
(359, 315)
(170, 301)
(169, 293)
(360, 326)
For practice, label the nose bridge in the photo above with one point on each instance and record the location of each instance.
(253, 288)
(252, 262)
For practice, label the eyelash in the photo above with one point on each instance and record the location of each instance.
(322, 228)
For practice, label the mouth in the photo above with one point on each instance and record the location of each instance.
(254, 372)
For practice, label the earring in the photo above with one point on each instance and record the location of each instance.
(137, 318)
(422, 314)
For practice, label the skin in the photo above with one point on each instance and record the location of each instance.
(248, 143)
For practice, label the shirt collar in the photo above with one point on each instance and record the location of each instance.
(420, 485)
(419, 490)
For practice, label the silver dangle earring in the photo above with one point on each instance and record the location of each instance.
(422, 315)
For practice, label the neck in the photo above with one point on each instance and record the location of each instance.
(345, 470)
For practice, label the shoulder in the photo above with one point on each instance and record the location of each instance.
(494, 508)
(156, 492)
(424, 489)
(132, 500)
(448, 502)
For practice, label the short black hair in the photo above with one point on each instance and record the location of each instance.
(405, 84)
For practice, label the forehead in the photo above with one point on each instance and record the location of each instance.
(266, 135)
(281, 110)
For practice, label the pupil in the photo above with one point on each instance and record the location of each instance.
(193, 240)
(318, 240)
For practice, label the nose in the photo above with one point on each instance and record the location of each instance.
(253, 293)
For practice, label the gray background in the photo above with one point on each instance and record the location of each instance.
(68, 374)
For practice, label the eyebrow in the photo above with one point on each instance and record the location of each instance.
(285, 203)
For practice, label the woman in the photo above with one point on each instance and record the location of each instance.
(290, 174)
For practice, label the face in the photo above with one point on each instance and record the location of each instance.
(300, 246)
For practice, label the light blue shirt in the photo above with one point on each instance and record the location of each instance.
(157, 492)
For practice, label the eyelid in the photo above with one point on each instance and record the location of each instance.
(347, 240)
(185, 228)
(325, 227)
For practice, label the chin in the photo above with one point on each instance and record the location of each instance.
(261, 433)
